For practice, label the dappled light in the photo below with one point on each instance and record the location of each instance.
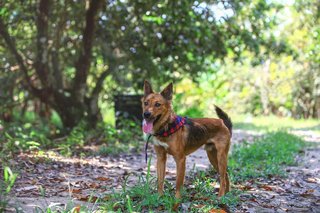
(86, 86)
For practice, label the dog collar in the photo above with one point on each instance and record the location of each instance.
(172, 127)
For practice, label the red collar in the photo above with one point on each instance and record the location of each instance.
(172, 127)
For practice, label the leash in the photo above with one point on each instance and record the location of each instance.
(146, 148)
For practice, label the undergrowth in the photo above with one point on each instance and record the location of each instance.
(17, 137)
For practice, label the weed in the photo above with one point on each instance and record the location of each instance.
(6, 184)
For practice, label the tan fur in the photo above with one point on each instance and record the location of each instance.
(216, 139)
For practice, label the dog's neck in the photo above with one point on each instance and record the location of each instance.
(164, 122)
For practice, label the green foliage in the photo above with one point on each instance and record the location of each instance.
(265, 156)
(6, 184)
(110, 140)
(129, 42)
(20, 137)
(127, 138)
(36, 136)
(74, 140)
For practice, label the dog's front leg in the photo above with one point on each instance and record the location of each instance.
(161, 167)
(181, 169)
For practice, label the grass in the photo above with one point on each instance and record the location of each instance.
(144, 198)
(273, 123)
(6, 184)
(265, 157)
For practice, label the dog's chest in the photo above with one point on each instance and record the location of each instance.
(160, 143)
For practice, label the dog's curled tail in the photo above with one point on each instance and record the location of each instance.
(224, 116)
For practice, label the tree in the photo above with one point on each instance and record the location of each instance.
(70, 102)
(65, 50)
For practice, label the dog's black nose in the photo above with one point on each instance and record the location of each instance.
(146, 114)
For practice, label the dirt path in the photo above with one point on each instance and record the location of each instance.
(298, 192)
(56, 180)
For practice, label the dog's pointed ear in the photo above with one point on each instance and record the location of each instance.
(147, 88)
(167, 92)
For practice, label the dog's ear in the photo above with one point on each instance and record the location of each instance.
(147, 88)
(167, 92)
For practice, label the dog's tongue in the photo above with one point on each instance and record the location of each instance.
(147, 126)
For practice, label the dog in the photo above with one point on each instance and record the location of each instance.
(180, 137)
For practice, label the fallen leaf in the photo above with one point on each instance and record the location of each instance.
(267, 187)
(103, 178)
(307, 193)
(86, 198)
(217, 211)
(199, 206)
(76, 209)
(175, 207)
(245, 187)
(80, 197)
(93, 185)
(76, 191)
(312, 180)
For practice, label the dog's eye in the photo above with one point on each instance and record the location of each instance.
(146, 103)
(157, 104)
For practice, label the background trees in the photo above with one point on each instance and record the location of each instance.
(67, 57)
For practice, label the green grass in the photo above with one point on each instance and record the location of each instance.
(265, 157)
(274, 123)
(6, 184)
(143, 197)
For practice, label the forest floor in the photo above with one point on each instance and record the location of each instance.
(47, 179)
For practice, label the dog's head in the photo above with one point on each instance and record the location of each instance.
(157, 107)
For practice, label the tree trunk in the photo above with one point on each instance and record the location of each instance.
(316, 112)
(72, 104)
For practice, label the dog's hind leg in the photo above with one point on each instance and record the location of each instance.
(213, 158)
(228, 188)
(218, 155)
(212, 155)
(222, 164)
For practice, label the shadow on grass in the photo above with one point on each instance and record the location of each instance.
(312, 128)
(250, 126)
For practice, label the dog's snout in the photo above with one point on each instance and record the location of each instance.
(146, 114)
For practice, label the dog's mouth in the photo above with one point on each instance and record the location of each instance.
(147, 124)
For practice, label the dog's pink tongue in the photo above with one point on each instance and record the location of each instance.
(147, 126)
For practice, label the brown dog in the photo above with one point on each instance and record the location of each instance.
(179, 137)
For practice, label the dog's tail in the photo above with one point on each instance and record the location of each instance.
(224, 116)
